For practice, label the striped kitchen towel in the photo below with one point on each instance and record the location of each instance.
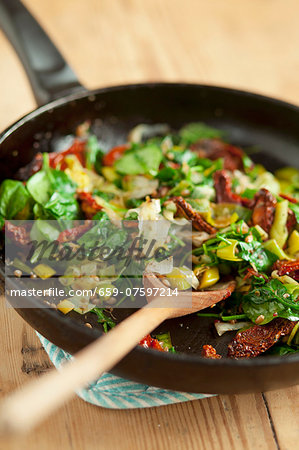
(110, 391)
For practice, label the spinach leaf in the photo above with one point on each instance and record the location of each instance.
(94, 154)
(40, 212)
(195, 131)
(44, 183)
(63, 205)
(39, 186)
(168, 174)
(61, 182)
(270, 300)
(117, 239)
(267, 309)
(282, 350)
(54, 191)
(97, 235)
(13, 198)
(255, 254)
(140, 161)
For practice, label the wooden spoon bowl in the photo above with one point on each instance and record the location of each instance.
(186, 302)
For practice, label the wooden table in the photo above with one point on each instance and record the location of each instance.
(249, 44)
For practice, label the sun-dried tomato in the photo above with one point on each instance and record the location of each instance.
(20, 234)
(264, 209)
(289, 198)
(77, 149)
(74, 233)
(223, 187)
(253, 273)
(55, 159)
(215, 148)
(191, 214)
(259, 338)
(290, 268)
(88, 204)
(292, 221)
(208, 351)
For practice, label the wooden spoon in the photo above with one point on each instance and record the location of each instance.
(186, 302)
(26, 408)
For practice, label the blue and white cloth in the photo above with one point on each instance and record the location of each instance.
(110, 391)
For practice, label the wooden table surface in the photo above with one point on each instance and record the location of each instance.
(249, 44)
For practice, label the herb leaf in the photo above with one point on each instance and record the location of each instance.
(197, 130)
(13, 198)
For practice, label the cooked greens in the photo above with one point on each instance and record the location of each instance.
(245, 222)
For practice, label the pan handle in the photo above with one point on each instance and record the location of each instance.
(49, 75)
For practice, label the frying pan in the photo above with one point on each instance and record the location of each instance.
(248, 119)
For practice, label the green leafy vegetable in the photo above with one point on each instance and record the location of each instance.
(270, 300)
(168, 174)
(13, 198)
(195, 131)
(103, 233)
(40, 212)
(187, 156)
(282, 350)
(54, 191)
(61, 182)
(256, 255)
(39, 186)
(47, 181)
(94, 154)
(140, 161)
(63, 205)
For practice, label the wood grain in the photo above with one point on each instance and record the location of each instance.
(252, 45)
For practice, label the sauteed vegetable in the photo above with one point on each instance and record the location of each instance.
(244, 218)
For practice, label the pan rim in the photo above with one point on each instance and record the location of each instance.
(68, 98)
(194, 359)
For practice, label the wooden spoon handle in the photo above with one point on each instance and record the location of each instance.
(26, 408)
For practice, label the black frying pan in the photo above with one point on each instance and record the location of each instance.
(249, 120)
